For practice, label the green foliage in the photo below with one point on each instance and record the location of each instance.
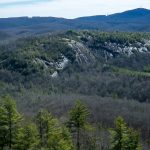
(34, 55)
(49, 134)
(131, 72)
(147, 69)
(10, 122)
(52, 135)
(79, 115)
(123, 137)
(115, 37)
(23, 74)
(42, 120)
(31, 55)
(3, 127)
(78, 121)
(27, 137)
(59, 138)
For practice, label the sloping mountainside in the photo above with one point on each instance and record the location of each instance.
(51, 53)
(110, 71)
(56, 56)
(133, 20)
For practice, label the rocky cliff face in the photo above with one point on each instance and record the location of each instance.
(53, 53)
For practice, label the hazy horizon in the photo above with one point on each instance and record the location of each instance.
(67, 8)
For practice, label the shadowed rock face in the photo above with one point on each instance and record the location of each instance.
(83, 54)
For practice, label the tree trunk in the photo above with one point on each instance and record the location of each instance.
(10, 132)
(41, 135)
(78, 138)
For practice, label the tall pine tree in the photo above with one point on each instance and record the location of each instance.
(27, 137)
(78, 120)
(123, 137)
(10, 121)
(52, 134)
(3, 127)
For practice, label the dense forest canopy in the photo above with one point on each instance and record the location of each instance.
(108, 71)
(46, 132)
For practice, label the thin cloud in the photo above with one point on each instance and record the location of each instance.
(68, 8)
(9, 3)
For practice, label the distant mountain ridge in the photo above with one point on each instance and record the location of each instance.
(136, 15)
(137, 20)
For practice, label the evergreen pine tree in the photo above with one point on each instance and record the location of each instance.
(52, 134)
(10, 121)
(27, 137)
(123, 137)
(3, 127)
(78, 120)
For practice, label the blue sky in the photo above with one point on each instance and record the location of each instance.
(67, 8)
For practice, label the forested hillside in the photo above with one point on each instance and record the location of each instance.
(136, 20)
(109, 72)
(47, 133)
